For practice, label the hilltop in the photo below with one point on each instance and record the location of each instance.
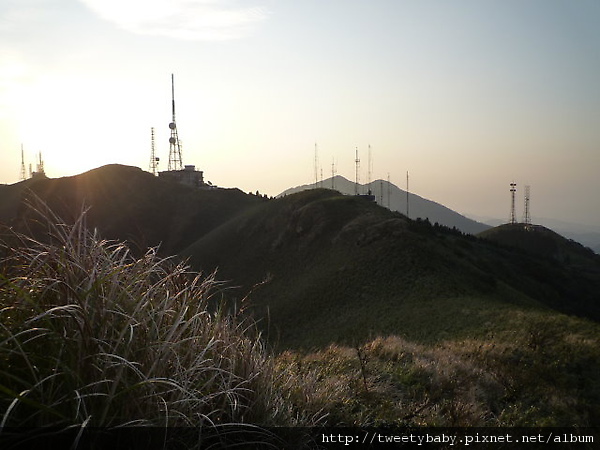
(127, 203)
(390, 195)
(541, 241)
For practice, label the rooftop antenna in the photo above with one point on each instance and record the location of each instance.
(23, 176)
(407, 191)
(175, 162)
(357, 162)
(527, 214)
(513, 190)
(153, 159)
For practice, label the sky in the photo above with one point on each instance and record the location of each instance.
(466, 95)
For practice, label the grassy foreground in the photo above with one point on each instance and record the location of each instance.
(92, 337)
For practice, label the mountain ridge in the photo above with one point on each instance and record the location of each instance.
(325, 255)
(389, 194)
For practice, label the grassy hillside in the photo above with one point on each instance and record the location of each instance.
(376, 319)
(541, 369)
(386, 321)
(342, 269)
(126, 203)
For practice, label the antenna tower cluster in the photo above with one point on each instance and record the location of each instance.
(40, 164)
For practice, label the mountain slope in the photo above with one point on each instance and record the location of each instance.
(343, 269)
(127, 203)
(389, 194)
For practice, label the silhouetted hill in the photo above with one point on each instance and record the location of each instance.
(11, 196)
(541, 241)
(390, 194)
(586, 235)
(342, 269)
(127, 203)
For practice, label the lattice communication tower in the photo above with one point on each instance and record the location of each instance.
(153, 158)
(175, 162)
(513, 190)
(22, 175)
(357, 162)
(527, 212)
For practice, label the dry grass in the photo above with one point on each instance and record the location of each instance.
(91, 336)
(510, 380)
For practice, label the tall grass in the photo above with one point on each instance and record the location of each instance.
(543, 372)
(92, 336)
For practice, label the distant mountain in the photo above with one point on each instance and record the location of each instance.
(388, 194)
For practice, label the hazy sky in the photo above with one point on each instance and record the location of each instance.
(468, 95)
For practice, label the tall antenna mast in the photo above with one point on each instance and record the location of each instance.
(153, 159)
(407, 200)
(357, 162)
(175, 162)
(23, 176)
(333, 173)
(527, 214)
(316, 166)
(513, 190)
(389, 192)
(369, 167)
